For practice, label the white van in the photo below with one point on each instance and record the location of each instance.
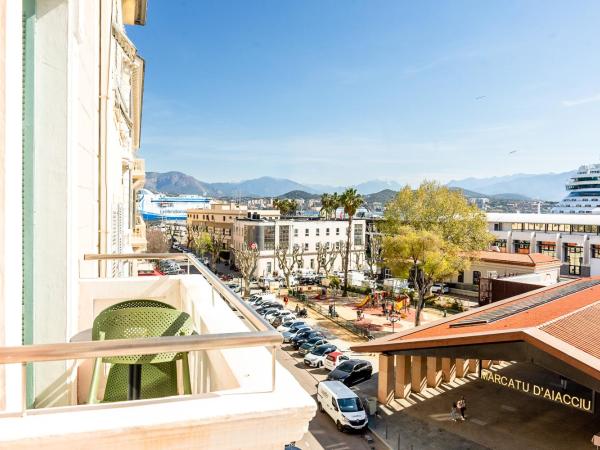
(342, 404)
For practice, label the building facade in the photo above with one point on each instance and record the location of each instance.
(574, 239)
(307, 235)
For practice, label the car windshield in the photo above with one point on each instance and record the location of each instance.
(346, 366)
(286, 324)
(350, 404)
(320, 351)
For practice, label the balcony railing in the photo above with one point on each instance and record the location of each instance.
(262, 335)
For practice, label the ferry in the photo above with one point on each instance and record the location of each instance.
(584, 192)
(168, 208)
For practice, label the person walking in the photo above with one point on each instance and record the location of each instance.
(285, 301)
(454, 412)
(462, 407)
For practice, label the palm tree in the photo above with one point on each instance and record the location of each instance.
(325, 203)
(335, 203)
(350, 200)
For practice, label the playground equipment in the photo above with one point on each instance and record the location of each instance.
(364, 302)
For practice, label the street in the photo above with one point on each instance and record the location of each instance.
(322, 433)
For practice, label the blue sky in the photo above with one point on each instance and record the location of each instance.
(341, 91)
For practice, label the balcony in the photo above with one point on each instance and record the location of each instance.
(241, 398)
(138, 236)
(138, 173)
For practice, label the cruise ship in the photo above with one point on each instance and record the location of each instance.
(584, 192)
(168, 208)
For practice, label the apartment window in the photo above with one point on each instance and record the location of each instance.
(547, 248)
(312, 263)
(521, 247)
(337, 231)
(517, 226)
(573, 256)
(306, 246)
(306, 232)
(269, 267)
(318, 231)
(284, 236)
(337, 245)
(501, 244)
(476, 277)
(295, 232)
(328, 245)
(326, 231)
(497, 227)
(595, 251)
(461, 277)
(358, 234)
(224, 218)
(317, 245)
(269, 237)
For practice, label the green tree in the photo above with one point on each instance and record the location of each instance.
(329, 204)
(246, 259)
(285, 206)
(350, 200)
(427, 233)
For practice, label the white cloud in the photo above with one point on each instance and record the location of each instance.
(581, 101)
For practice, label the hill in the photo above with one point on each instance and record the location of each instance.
(294, 195)
(176, 183)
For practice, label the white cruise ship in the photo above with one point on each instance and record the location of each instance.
(584, 192)
(160, 207)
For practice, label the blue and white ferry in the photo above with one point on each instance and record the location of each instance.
(168, 208)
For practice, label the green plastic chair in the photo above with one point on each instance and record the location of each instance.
(140, 319)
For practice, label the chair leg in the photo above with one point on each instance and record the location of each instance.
(93, 394)
(187, 384)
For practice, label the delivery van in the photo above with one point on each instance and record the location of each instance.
(342, 405)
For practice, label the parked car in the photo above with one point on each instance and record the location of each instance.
(311, 344)
(289, 324)
(342, 405)
(294, 331)
(439, 288)
(262, 310)
(318, 354)
(333, 359)
(283, 315)
(352, 372)
(266, 311)
(301, 339)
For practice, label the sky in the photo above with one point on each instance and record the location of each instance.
(343, 91)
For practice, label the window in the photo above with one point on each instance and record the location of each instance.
(295, 232)
(337, 245)
(326, 231)
(312, 263)
(306, 246)
(269, 267)
(224, 218)
(358, 234)
(497, 227)
(328, 245)
(573, 256)
(476, 277)
(284, 236)
(547, 248)
(337, 231)
(521, 247)
(317, 231)
(517, 226)
(595, 251)
(461, 276)
(501, 244)
(269, 237)
(306, 232)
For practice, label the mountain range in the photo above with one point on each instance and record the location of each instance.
(547, 186)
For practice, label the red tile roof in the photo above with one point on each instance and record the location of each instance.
(531, 259)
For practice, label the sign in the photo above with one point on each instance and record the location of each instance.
(527, 387)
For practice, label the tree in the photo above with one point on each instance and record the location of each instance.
(157, 241)
(334, 284)
(201, 240)
(246, 259)
(288, 261)
(285, 206)
(350, 200)
(326, 256)
(427, 233)
(329, 204)
(374, 253)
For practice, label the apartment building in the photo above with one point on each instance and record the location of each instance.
(574, 239)
(220, 218)
(70, 107)
(303, 233)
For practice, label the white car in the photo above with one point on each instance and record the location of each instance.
(334, 359)
(284, 316)
(439, 288)
(287, 324)
(276, 313)
(317, 356)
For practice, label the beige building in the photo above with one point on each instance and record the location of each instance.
(220, 218)
(70, 109)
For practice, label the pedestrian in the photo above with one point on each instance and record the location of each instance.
(330, 310)
(297, 309)
(285, 301)
(462, 407)
(454, 412)
(358, 314)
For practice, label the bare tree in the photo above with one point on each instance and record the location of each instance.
(216, 245)
(357, 260)
(345, 254)
(326, 256)
(288, 261)
(246, 259)
(374, 253)
(158, 241)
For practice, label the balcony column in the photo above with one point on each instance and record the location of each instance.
(402, 380)
(385, 385)
(462, 367)
(418, 373)
(448, 369)
(473, 366)
(434, 371)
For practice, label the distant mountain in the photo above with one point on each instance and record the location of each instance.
(546, 186)
(383, 196)
(377, 186)
(176, 183)
(258, 187)
(295, 195)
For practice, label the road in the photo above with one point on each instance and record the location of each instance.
(322, 432)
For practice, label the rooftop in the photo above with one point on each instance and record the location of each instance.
(570, 219)
(531, 259)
